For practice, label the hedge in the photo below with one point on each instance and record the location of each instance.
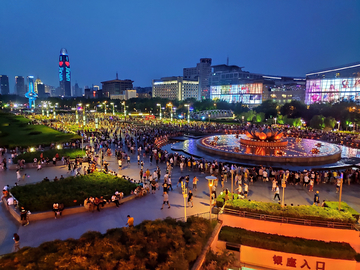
(334, 250)
(72, 191)
(29, 156)
(160, 244)
(303, 211)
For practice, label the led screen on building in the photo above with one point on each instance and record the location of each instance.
(244, 93)
(332, 90)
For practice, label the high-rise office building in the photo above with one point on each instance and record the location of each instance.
(41, 90)
(4, 85)
(20, 86)
(116, 87)
(201, 72)
(175, 88)
(37, 81)
(64, 73)
(78, 92)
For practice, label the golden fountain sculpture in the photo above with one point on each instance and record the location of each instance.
(264, 138)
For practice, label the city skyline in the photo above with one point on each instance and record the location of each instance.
(152, 40)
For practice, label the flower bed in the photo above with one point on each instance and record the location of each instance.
(159, 244)
(303, 211)
(72, 191)
(334, 250)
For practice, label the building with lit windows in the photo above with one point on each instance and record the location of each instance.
(64, 73)
(37, 81)
(335, 84)
(201, 73)
(20, 89)
(175, 88)
(4, 85)
(232, 84)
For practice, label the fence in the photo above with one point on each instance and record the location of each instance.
(290, 220)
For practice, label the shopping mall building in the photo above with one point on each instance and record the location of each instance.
(335, 84)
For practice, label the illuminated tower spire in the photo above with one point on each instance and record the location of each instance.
(64, 73)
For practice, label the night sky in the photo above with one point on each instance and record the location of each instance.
(144, 40)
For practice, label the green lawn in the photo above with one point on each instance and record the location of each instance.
(72, 191)
(29, 156)
(15, 131)
(302, 211)
(334, 250)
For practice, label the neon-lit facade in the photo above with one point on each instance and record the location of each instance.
(332, 90)
(31, 94)
(250, 93)
(64, 73)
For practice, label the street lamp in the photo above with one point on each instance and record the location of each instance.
(188, 116)
(275, 120)
(159, 109)
(171, 111)
(341, 184)
(105, 107)
(211, 180)
(184, 193)
(338, 122)
(232, 181)
(112, 103)
(123, 103)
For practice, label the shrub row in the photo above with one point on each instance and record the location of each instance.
(160, 244)
(334, 250)
(72, 191)
(302, 211)
(29, 156)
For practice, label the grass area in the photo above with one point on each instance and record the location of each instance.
(72, 191)
(302, 211)
(29, 156)
(16, 131)
(334, 250)
(344, 207)
(159, 244)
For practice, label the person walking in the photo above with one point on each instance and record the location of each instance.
(16, 239)
(246, 190)
(316, 198)
(166, 200)
(277, 193)
(130, 221)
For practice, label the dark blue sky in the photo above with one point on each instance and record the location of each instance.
(145, 40)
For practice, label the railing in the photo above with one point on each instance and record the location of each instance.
(290, 220)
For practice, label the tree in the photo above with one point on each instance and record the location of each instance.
(330, 122)
(317, 122)
(293, 109)
(269, 108)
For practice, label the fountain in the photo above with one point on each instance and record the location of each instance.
(267, 146)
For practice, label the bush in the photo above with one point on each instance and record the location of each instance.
(159, 244)
(334, 250)
(302, 211)
(71, 191)
(29, 156)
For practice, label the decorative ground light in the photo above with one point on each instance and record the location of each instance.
(299, 151)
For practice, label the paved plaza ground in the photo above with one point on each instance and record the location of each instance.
(148, 207)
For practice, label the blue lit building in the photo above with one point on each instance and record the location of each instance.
(64, 73)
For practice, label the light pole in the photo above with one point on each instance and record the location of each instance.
(275, 120)
(211, 180)
(112, 103)
(105, 107)
(188, 116)
(184, 193)
(341, 184)
(123, 103)
(76, 115)
(232, 181)
(338, 122)
(209, 118)
(159, 109)
(283, 185)
(171, 111)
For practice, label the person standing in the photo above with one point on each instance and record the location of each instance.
(16, 239)
(316, 198)
(130, 221)
(190, 198)
(195, 180)
(166, 200)
(277, 193)
(18, 175)
(246, 190)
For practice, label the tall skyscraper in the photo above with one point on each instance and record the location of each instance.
(20, 86)
(37, 81)
(4, 85)
(64, 73)
(201, 72)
